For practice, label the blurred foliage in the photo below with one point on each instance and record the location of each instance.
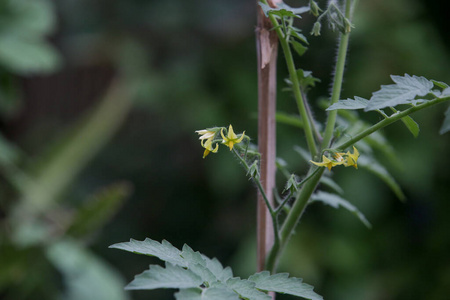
(191, 65)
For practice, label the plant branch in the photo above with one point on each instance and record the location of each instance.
(389, 120)
(284, 42)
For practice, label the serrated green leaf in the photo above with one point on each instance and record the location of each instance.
(404, 91)
(164, 250)
(209, 270)
(336, 201)
(377, 169)
(446, 124)
(246, 289)
(170, 277)
(282, 283)
(197, 264)
(298, 47)
(216, 268)
(357, 103)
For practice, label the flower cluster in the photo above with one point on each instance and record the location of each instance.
(208, 138)
(347, 159)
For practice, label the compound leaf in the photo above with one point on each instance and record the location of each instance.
(201, 278)
(404, 91)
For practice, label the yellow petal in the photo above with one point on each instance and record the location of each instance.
(241, 138)
(206, 153)
(231, 134)
(224, 138)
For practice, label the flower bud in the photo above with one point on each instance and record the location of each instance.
(253, 170)
(292, 184)
(316, 29)
(314, 8)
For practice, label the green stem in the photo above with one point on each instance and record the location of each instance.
(385, 122)
(257, 181)
(301, 201)
(282, 204)
(337, 84)
(284, 42)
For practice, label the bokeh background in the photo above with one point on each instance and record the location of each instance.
(99, 101)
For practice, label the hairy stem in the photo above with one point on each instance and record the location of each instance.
(337, 83)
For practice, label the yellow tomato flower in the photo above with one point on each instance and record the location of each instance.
(231, 139)
(352, 158)
(326, 162)
(208, 147)
(206, 134)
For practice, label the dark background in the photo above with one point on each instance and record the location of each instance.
(195, 64)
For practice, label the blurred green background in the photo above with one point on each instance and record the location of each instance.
(99, 101)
